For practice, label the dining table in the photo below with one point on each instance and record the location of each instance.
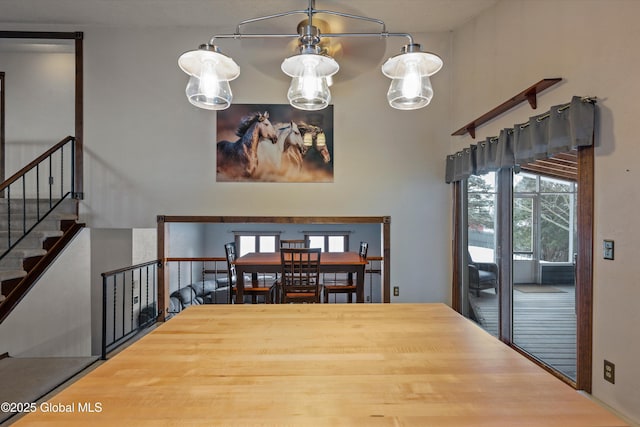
(253, 263)
(317, 365)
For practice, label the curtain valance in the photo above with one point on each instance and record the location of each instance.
(562, 128)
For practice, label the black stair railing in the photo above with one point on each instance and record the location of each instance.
(45, 182)
(129, 303)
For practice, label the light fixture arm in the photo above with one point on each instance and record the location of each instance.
(238, 36)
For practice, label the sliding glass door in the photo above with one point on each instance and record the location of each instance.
(481, 251)
(523, 225)
(543, 293)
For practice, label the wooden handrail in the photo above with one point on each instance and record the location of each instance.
(34, 162)
(133, 267)
(196, 259)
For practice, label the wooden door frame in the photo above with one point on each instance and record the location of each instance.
(79, 97)
(163, 242)
(2, 151)
(584, 271)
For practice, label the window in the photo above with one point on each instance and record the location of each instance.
(256, 242)
(482, 217)
(329, 242)
(544, 218)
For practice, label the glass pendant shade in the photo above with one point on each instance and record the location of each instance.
(309, 71)
(410, 87)
(309, 93)
(209, 94)
(410, 93)
(210, 72)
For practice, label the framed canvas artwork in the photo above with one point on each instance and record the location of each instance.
(274, 143)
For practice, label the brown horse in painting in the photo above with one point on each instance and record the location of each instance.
(240, 158)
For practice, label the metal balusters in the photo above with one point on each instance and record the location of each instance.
(119, 287)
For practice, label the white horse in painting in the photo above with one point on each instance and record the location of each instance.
(285, 156)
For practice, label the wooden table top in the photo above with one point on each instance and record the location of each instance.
(320, 365)
(327, 258)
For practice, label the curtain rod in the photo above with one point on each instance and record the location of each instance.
(563, 107)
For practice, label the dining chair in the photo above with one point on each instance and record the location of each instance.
(300, 275)
(346, 285)
(250, 288)
(293, 243)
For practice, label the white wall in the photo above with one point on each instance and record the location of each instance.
(54, 318)
(111, 249)
(592, 45)
(144, 245)
(39, 103)
(149, 152)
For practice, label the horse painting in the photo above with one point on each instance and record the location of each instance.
(274, 143)
(240, 158)
(293, 149)
(284, 158)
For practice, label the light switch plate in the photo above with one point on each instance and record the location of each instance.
(607, 249)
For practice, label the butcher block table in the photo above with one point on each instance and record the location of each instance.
(319, 365)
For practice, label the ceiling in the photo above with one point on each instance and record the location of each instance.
(399, 15)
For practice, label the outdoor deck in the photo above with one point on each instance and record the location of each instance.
(544, 322)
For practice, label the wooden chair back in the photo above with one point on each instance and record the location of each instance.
(293, 243)
(230, 253)
(364, 248)
(300, 274)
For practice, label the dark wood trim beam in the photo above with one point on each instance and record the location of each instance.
(79, 119)
(279, 219)
(529, 95)
(584, 268)
(40, 35)
(2, 135)
(386, 262)
(456, 291)
(163, 272)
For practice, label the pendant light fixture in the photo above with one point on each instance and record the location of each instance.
(209, 74)
(311, 69)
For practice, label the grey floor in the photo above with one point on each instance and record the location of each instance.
(30, 379)
(544, 324)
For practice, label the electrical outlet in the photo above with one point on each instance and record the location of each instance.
(396, 291)
(610, 371)
(607, 249)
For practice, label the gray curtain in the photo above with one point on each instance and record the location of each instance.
(562, 128)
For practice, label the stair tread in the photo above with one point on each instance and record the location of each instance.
(11, 274)
(28, 251)
(38, 232)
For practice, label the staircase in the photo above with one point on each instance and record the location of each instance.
(29, 253)
(38, 217)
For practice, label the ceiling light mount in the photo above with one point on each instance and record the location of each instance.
(311, 68)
